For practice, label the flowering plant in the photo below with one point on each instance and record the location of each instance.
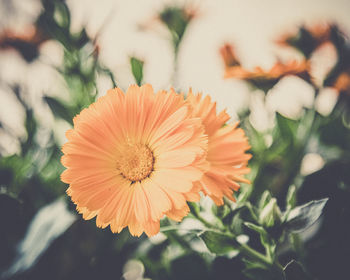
(158, 182)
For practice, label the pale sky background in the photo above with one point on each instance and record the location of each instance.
(252, 25)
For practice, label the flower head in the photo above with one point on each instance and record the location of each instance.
(227, 146)
(132, 158)
(266, 79)
(26, 43)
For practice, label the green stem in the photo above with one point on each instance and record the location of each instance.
(176, 66)
(255, 255)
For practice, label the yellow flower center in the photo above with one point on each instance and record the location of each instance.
(135, 162)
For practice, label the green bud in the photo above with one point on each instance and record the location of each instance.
(271, 214)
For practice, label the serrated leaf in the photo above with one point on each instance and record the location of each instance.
(58, 109)
(302, 217)
(137, 69)
(219, 243)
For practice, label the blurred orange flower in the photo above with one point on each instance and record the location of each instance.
(27, 42)
(229, 56)
(306, 39)
(267, 79)
(342, 83)
(131, 158)
(226, 151)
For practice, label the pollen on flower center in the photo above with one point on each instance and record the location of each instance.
(135, 162)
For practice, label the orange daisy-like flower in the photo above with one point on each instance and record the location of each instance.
(267, 79)
(132, 158)
(226, 151)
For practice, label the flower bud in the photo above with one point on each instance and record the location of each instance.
(270, 214)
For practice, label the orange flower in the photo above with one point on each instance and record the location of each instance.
(262, 78)
(226, 151)
(228, 55)
(306, 39)
(131, 158)
(26, 42)
(342, 83)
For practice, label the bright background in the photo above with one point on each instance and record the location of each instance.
(252, 26)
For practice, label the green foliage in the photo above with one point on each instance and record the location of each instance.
(219, 243)
(302, 217)
(137, 69)
(58, 109)
(176, 20)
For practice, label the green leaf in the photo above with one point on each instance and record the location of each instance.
(221, 211)
(62, 14)
(219, 243)
(294, 271)
(287, 127)
(58, 109)
(137, 69)
(271, 214)
(31, 129)
(265, 198)
(256, 228)
(261, 231)
(302, 217)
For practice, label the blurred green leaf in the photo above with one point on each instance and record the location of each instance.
(219, 243)
(194, 208)
(58, 109)
(287, 127)
(270, 215)
(137, 69)
(31, 127)
(256, 228)
(62, 14)
(333, 132)
(261, 231)
(265, 198)
(302, 217)
(176, 19)
(221, 211)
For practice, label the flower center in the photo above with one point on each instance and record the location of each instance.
(136, 162)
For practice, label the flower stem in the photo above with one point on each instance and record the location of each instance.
(254, 255)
